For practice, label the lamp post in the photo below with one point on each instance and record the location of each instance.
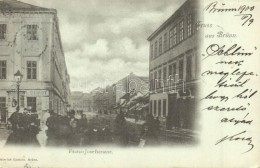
(18, 78)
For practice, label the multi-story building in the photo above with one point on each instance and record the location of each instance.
(30, 42)
(76, 100)
(81, 101)
(111, 91)
(174, 67)
(100, 99)
(131, 83)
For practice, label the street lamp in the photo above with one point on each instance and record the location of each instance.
(18, 78)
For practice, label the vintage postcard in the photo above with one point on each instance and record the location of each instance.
(129, 83)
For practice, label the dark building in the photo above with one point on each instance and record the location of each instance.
(174, 68)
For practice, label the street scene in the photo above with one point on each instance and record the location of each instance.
(71, 78)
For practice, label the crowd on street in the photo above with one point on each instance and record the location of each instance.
(53, 130)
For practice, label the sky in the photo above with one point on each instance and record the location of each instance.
(105, 40)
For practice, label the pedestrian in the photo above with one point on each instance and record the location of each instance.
(51, 132)
(150, 131)
(64, 130)
(32, 128)
(121, 129)
(18, 128)
(13, 138)
(82, 123)
(42, 137)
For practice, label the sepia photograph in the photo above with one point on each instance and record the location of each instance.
(124, 80)
(99, 78)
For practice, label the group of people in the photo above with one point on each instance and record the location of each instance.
(71, 131)
(65, 130)
(25, 127)
(76, 131)
(149, 131)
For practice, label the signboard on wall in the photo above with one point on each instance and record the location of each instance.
(37, 93)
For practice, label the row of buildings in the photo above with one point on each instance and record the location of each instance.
(111, 98)
(174, 67)
(30, 43)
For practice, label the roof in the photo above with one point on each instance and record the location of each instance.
(144, 78)
(14, 5)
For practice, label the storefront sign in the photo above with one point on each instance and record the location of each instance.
(37, 93)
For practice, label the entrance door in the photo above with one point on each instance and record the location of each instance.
(3, 111)
(172, 118)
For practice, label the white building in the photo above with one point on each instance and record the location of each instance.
(30, 42)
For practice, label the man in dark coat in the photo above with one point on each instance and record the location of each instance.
(18, 128)
(150, 130)
(121, 129)
(82, 123)
(51, 123)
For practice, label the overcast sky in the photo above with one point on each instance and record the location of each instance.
(104, 40)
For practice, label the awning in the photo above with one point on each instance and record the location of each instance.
(139, 108)
(146, 105)
(133, 108)
(126, 96)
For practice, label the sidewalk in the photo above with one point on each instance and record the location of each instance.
(4, 133)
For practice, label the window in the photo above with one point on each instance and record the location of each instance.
(172, 73)
(151, 106)
(159, 107)
(164, 107)
(2, 31)
(160, 78)
(189, 25)
(31, 70)
(155, 80)
(181, 30)
(155, 49)
(2, 69)
(197, 65)
(175, 35)
(160, 46)
(188, 68)
(151, 81)
(164, 75)
(181, 69)
(151, 51)
(22, 100)
(154, 106)
(32, 32)
(31, 101)
(2, 102)
(171, 34)
(174, 70)
(165, 42)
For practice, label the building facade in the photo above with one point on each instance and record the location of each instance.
(131, 83)
(174, 68)
(30, 42)
(81, 101)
